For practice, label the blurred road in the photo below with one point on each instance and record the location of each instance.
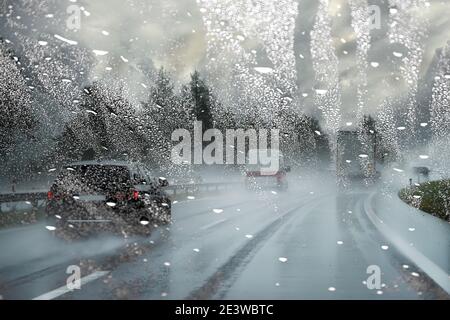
(305, 243)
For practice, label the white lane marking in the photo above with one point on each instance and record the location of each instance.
(433, 270)
(215, 223)
(63, 290)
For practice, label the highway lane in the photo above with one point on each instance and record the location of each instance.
(297, 244)
(32, 260)
(195, 248)
(328, 247)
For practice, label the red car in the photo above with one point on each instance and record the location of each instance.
(258, 180)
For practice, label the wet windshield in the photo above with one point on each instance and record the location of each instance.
(224, 150)
(93, 178)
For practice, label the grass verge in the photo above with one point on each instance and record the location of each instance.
(432, 197)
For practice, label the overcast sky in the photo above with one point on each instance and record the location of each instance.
(179, 35)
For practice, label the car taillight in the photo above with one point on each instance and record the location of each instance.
(120, 196)
(135, 195)
(50, 195)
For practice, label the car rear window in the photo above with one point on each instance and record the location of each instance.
(93, 178)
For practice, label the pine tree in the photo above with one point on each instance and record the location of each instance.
(164, 112)
(68, 146)
(16, 116)
(202, 101)
(94, 107)
(382, 147)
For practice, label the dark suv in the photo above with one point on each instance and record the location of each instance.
(106, 196)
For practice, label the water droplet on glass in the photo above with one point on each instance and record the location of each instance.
(100, 52)
(144, 221)
(263, 70)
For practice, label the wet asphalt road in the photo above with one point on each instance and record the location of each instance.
(306, 243)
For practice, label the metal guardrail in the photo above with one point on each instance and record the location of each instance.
(23, 196)
(206, 187)
(35, 196)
